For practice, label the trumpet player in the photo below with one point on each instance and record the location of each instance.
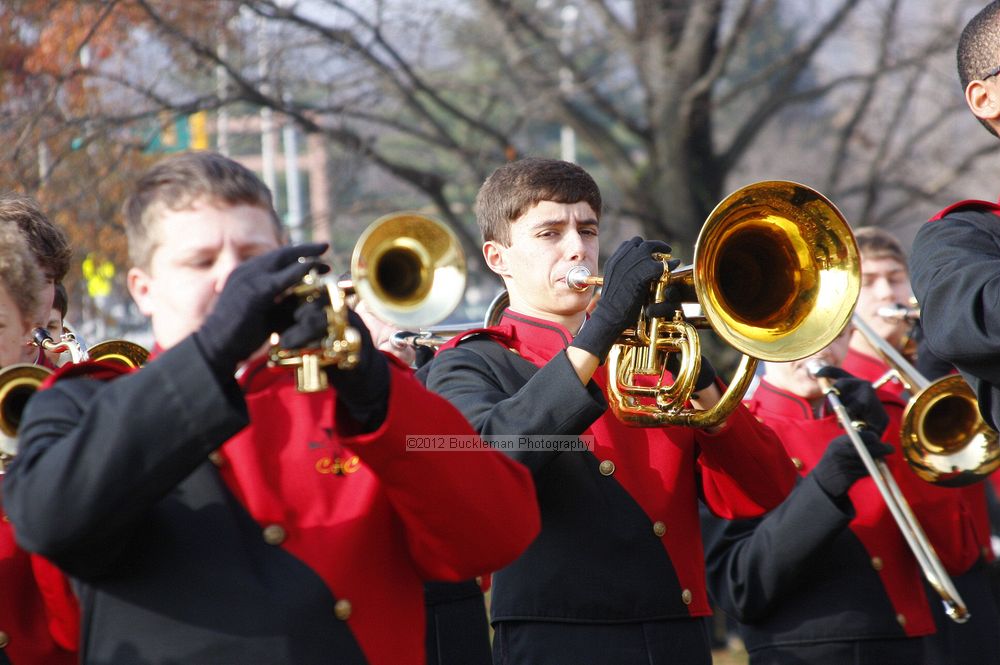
(51, 252)
(216, 520)
(25, 637)
(885, 292)
(617, 574)
(957, 519)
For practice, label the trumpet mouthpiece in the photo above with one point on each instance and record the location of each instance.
(814, 366)
(577, 278)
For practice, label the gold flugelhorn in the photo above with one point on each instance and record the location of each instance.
(409, 269)
(19, 382)
(776, 272)
(943, 435)
(900, 509)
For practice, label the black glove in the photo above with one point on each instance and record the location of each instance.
(706, 374)
(859, 398)
(364, 390)
(627, 276)
(841, 465)
(247, 311)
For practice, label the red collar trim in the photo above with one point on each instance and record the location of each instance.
(101, 370)
(968, 203)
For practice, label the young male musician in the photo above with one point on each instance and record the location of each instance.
(885, 285)
(25, 638)
(211, 520)
(51, 250)
(826, 578)
(617, 573)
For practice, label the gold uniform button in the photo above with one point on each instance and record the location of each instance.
(274, 534)
(659, 528)
(5, 518)
(686, 596)
(901, 619)
(877, 562)
(342, 609)
(797, 463)
(216, 458)
(4, 639)
(607, 467)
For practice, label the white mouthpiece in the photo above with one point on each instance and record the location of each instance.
(814, 366)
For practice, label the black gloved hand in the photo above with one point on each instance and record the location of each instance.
(627, 276)
(247, 311)
(363, 390)
(706, 374)
(859, 398)
(841, 466)
(309, 324)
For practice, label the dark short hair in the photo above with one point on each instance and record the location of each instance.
(876, 243)
(60, 299)
(20, 273)
(178, 182)
(515, 187)
(979, 48)
(46, 241)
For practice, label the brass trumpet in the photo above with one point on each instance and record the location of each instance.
(776, 272)
(944, 437)
(407, 267)
(19, 382)
(900, 312)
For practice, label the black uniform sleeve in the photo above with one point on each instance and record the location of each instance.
(95, 455)
(751, 564)
(502, 396)
(955, 272)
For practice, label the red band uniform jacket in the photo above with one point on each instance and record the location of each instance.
(26, 636)
(816, 570)
(301, 541)
(620, 540)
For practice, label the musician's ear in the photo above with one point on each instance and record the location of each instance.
(496, 257)
(138, 282)
(983, 98)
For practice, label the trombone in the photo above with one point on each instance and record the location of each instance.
(898, 506)
(776, 272)
(943, 435)
(434, 336)
(20, 381)
(407, 267)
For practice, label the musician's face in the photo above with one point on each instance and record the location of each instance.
(14, 329)
(795, 376)
(54, 326)
(29, 353)
(884, 282)
(545, 242)
(196, 250)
